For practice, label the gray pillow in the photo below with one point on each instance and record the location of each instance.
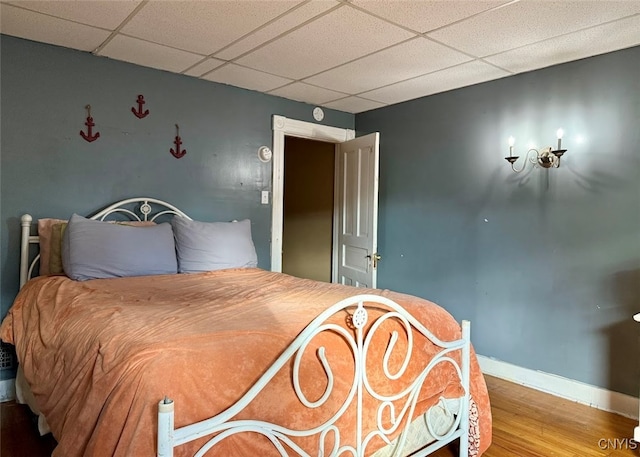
(207, 246)
(93, 249)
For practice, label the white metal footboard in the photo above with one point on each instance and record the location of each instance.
(358, 337)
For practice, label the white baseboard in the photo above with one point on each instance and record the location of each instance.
(7, 390)
(586, 394)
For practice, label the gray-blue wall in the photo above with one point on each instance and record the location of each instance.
(546, 264)
(48, 170)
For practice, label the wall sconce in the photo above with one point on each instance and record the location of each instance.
(545, 158)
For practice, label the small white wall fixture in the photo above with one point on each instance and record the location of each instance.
(283, 127)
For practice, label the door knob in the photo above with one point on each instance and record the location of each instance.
(375, 257)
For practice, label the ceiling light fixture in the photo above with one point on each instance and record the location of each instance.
(545, 158)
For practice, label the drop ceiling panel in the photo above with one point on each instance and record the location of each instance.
(352, 55)
(605, 38)
(149, 54)
(246, 78)
(440, 81)
(354, 104)
(423, 16)
(204, 67)
(99, 13)
(202, 26)
(403, 61)
(527, 22)
(40, 27)
(307, 93)
(331, 40)
(283, 24)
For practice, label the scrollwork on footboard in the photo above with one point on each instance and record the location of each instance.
(393, 413)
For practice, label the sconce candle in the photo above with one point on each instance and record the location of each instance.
(560, 134)
(545, 158)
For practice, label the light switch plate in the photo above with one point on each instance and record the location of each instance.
(265, 197)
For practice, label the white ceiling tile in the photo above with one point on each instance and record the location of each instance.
(463, 75)
(354, 104)
(99, 13)
(246, 77)
(423, 16)
(529, 21)
(333, 39)
(342, 47)
(204, 67)
(307, 93)
(283, 24)
(148, 54)
(605, 38)
(202, 26)
(40, 27)
(406, 60)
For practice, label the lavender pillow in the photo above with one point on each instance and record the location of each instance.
(94, 249)
(207, 246)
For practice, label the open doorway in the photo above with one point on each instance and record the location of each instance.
(308, 209)
(354, 251)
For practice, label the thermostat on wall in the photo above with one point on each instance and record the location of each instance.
(318, 114)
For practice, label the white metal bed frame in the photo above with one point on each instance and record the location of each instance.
(357, 333)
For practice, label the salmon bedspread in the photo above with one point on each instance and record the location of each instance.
(100, 354)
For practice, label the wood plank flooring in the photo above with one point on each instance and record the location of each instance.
(19, 435)
(526, 423)
(529, 423)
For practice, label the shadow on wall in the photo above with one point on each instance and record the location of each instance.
(10, 287)
(11, 282)
(602, 177)
(623, 336)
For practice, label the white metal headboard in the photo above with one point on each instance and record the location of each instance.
(142, 211)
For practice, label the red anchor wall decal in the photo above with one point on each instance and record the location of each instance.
(139, 114)
(89, 136)
(178, 153)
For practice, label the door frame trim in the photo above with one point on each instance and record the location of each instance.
(283, 126)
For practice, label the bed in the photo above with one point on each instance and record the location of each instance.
(231, 360)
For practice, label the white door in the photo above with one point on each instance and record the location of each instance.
(356, 221)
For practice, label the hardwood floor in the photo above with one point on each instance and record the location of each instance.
(529, 423)
(526, 423)
(19, 435)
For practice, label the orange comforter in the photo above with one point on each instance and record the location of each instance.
(100, 354)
